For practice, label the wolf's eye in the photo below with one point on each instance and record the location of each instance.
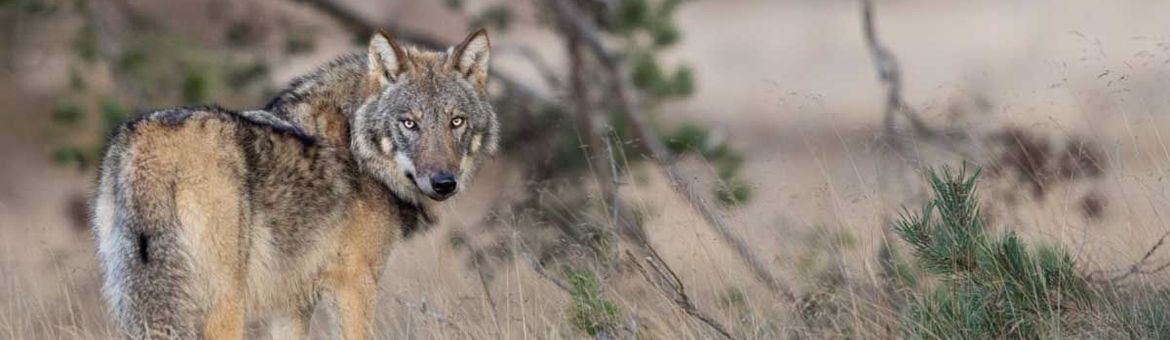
(457, 122)
(409, 124)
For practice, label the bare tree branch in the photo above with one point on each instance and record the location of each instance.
(539, 63)
(631, 108)
(360, 26)
(890, 73)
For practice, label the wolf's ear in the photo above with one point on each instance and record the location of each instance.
(386, 60)
(471, 57)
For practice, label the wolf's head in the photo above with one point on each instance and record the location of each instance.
(427, 124)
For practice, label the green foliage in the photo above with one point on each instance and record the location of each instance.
(298, 44)
(67, 116)
(67, 113)
(733, 298)
(34, 7)
(691, 138)
(733, 192)
(85, 43)
(647, 27)
(947, 244)
(682, 82)
(895, 268)
(589, 311)
(69, 156)
(76, 81)
(157, 70)
(240, 77)
(113, 113)
(453, 4)
(664, 34)
(992, 287)
(132, 61)
(632, 14)
(1141, 315)
(649, 77)
(497, 16)
(196, 86)
(240, 34)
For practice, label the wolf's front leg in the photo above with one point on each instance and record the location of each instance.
(353, 302)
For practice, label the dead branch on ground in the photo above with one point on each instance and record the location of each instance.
(1137, 268)
(672, 288)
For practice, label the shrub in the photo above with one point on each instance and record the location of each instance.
(990, 286)
(589, 311)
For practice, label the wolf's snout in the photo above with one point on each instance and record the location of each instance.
(444, 183)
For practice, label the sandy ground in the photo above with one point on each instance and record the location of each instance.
(789, 84)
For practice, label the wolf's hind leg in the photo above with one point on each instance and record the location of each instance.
(154, 300)
(292, 327)
(225, 320)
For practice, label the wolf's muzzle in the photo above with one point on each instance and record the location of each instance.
(444, 183)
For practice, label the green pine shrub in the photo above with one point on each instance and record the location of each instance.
(989, 286)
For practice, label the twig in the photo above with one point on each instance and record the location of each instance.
(476, 261)
(615, 201)
(622, 90)
(536, 266)
(674, 290)
(1138, 267)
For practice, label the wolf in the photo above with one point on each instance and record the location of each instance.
(208, 219)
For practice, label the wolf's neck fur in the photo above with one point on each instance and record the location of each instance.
(322, 104)
(322, 101)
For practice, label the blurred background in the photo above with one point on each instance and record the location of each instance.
(671, 169)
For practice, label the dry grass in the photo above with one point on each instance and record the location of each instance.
(820, 234)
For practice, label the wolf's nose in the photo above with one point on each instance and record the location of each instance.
(443, 183)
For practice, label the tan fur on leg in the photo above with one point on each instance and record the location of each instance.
(226, 319)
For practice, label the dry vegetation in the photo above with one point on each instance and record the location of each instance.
(610, 216)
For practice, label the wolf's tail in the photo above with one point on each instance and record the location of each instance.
(147, 268)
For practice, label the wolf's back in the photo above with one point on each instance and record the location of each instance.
(171, 205)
